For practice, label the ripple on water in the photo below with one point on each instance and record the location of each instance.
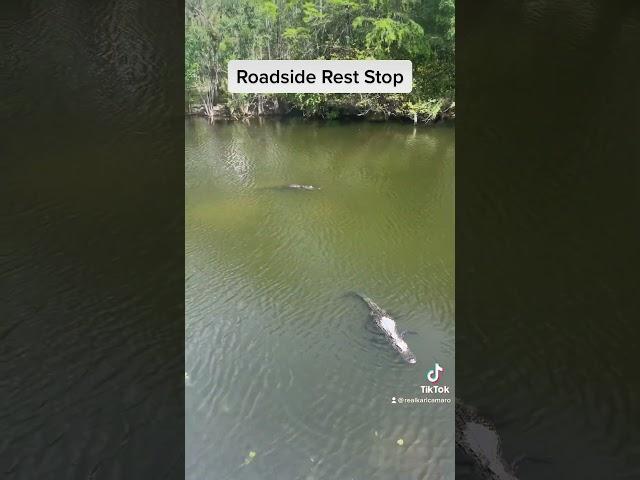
(281, 361)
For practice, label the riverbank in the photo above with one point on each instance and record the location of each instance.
(377, 108)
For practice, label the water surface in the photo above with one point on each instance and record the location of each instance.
(279, 360)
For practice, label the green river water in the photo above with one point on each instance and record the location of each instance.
(284, 378)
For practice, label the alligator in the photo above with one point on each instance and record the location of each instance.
(389, 327)
(297, 186)
(478, 438)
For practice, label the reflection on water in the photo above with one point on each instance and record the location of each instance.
(91, 249)
(283, 379)
(546, 318)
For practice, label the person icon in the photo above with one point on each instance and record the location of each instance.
(393, 399)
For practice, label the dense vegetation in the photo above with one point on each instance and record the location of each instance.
(423, 31)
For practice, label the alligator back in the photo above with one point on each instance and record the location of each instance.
(389, 327)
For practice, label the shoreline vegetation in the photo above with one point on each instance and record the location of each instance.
(422, 31)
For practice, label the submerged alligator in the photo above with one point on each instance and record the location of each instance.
(478, 438)
(298, 186)
(389, 327)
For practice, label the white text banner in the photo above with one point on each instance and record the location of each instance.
(320, 76)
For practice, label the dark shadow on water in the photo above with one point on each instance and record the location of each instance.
(546, 222)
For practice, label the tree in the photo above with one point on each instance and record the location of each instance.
(423, 31)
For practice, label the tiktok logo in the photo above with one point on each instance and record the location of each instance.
(434, 375)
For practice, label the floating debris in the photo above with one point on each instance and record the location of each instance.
(400, 442)
(249, 458)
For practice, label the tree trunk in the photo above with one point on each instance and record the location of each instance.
(260, 105)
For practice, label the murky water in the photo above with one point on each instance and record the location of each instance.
(284, 379)
(91, 252)
(546, 317)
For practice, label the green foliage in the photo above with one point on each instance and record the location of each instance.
(423, 31)
(295, 34)
(312, 14)
(387, 33)
(270, 11)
